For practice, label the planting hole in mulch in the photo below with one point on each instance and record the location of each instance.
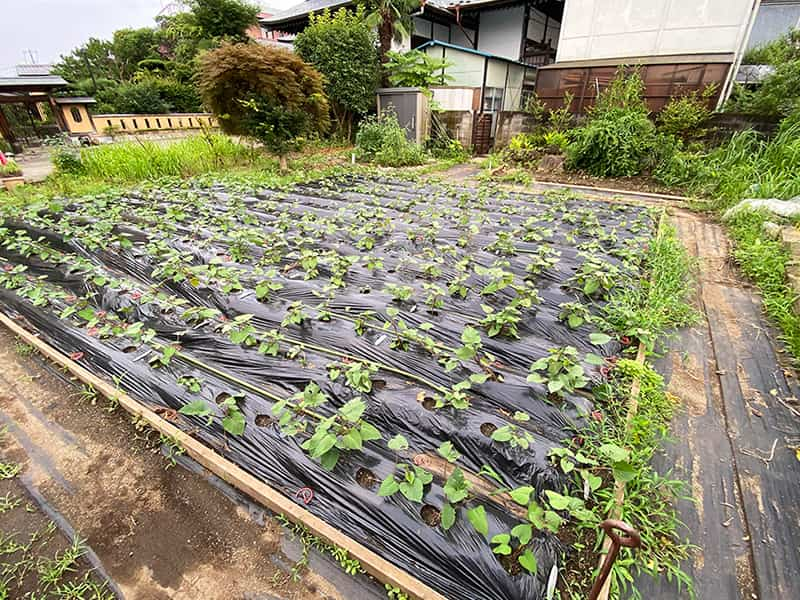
(378, 384)
(264, 420)
(366, 478)
(488, 429)
(429, 403)
(431, 515)
(130, 349)
(221, 397)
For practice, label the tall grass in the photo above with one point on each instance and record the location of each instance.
(747, 166)
(142, 160)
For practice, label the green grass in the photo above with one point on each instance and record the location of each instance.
(747, 166)
(764, 261)
(660, 303)
(648, 311)
(141, 160)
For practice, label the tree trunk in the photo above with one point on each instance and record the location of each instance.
(385, 34)
(282, 163)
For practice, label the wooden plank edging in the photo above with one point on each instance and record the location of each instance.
(375, 565)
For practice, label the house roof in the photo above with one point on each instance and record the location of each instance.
(75, 100)
(300, 11)
(29, 70)
(29, 83)
(470, 51)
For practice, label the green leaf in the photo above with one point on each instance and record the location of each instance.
(500, 538)
(594, 359)
(456, 488)
(598, 339)
(448, 516)
(447, 452)
(368, 432)
(528, 562)
(352, 440)
(353, 409)
(389, 486)
(470, 336)
(412, 490)
(523, 532)
(503, 434)
(324, 443)
(574, 321)
(614, 453)
(234, 422)
(623, 471)
(195, 408)
(398, 442)
(477, 516)
(521, 495)
(329, 459)
(557, 501)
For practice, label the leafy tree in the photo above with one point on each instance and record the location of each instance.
(263, 92)
(416, 69)
(132, 46)
(392, 18)
(94, 58)
(342, 47)
(224, 18)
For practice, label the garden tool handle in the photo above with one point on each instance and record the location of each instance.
(631, 539)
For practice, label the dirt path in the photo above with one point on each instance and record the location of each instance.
(159, 532)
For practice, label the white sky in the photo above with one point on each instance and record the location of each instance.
(50, 28)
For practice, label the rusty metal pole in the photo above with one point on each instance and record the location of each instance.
(630, 539)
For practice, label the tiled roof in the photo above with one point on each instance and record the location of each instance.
(302, 9)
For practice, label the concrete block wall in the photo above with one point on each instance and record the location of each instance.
(509, 124)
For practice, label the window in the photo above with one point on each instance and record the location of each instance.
(122, 122)
(169, 123)
(158, 123)
(76, 114)
(190, 123)
(135, 125)
(147, 123)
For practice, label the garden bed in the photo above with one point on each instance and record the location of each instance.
(404, 359)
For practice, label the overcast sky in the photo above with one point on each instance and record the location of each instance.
(50, 28)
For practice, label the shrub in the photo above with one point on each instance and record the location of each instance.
(5, 147)
(619, 139)
(778, 95)
(618, 144)
(524, 148)
(266, 93)
(685, 116)
(10, 169)
(382, 140)
(67, 161)
(342, 48)
(556, 142)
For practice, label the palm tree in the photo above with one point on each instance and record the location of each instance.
(392, 18)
